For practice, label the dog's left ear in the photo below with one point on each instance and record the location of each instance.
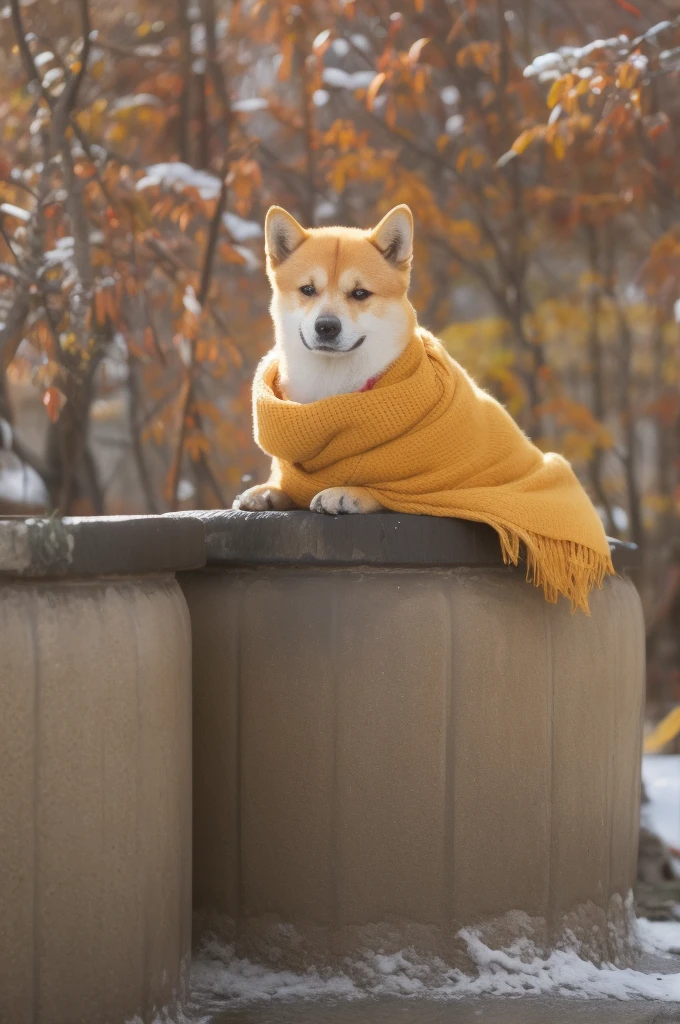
(394, 235)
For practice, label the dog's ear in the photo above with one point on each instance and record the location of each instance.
(394, 235)
(282, 235)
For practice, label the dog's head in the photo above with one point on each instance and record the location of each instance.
(339, 294)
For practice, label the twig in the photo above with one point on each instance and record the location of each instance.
(217, 73)
(185, 99)
(24, 49)
(135, 434)
(211, 248)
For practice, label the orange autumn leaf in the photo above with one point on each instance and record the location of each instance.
(53, 401)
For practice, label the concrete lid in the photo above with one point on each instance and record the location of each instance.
(386, 538)
(100, 545)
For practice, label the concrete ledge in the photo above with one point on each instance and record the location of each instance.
(386, 539)
(100, 545)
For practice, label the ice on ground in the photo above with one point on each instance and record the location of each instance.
(661, 777)
(220, 978)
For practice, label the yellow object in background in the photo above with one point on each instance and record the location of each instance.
(667, 729)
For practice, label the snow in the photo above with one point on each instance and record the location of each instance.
(251, 105)
(361, 43)
(140, 99)
(320, 97)
(240, 229)
(198, 38)
(340, 47)
(249, 258)
(450, 95)
(21, 485)
(61, 254)
(659, 936)
(176, 173)
(190, 302)
(661, 776)
(455, 124)
(325, 209)
(337, 78)
(185, 490)
(52, 76)
(221, 978)
(15, 211)
(568, 57)
(43, 58)
(321, 39)
(6, 434)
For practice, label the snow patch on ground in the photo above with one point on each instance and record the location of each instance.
(660, 936)
(661, 777)
(220, 979)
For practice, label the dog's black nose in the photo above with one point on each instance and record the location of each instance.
(328, 327)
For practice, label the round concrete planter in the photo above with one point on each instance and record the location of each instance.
(95, 748)
(397, 737)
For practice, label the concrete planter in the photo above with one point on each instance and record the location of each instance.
(95, 749)
(397, 737)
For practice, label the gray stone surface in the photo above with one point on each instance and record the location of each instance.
(531, 1010)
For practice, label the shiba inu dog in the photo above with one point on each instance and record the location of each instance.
(341, 317)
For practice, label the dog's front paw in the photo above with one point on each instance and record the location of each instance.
(340, 501)
(263, 498)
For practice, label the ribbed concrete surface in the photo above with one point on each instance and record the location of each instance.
(384, 756)
(95, 801)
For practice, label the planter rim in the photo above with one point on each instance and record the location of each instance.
(389, 539)
(99, 545)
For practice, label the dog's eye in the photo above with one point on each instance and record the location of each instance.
(360, 294)
(308, 290)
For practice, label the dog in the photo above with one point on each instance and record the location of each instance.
(341, 316)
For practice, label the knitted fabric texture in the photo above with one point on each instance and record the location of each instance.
(426, 440)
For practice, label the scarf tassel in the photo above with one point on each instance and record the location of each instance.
(559, 566)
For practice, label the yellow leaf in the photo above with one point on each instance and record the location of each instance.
(374, 89)
(524, 140)
(416, 50)
(555, 93)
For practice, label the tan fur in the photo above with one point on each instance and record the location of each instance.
(375, 330)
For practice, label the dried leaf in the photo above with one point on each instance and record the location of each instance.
(374, 89)
(416, 50)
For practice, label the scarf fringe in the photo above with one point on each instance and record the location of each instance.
(559, 566)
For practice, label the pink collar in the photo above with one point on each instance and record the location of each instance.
(371, 383)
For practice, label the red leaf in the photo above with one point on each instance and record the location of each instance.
(628, 7)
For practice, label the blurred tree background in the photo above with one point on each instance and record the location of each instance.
(142, 142)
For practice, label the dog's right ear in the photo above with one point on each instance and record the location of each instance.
(282, 235)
